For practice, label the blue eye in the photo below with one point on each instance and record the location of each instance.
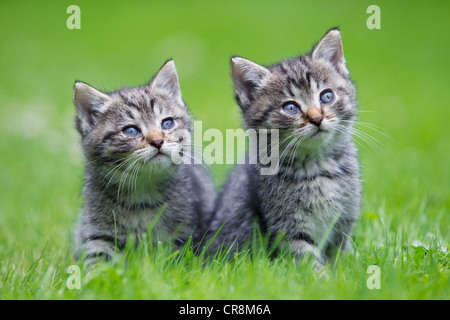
(167, 123)
(291, 108)
(327, 97)
(131, 132)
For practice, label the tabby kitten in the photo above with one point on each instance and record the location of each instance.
(314, 198)
(129, 138)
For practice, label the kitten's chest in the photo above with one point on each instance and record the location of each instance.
(136, 221)
(293, 206)
(304, 194)
(309, 184)
(311, 194)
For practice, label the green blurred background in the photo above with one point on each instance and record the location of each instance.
(401, 72)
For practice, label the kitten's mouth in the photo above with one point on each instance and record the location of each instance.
(159, 158)
(159, 155)
(319, 132)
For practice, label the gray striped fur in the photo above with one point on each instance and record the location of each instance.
(314, 199)
(126, 181)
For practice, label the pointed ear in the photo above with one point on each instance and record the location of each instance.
(330, 49)
(89, 103)
(167, 78)
(248, 78)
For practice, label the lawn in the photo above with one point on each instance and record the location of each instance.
(402, 75)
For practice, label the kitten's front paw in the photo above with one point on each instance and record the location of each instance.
(312, 255)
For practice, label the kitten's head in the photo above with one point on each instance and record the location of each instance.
(146, 123)
(310, 97)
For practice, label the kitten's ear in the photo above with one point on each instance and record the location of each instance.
(167, 79)
(248, 78)
(89, 103)
(330, 49)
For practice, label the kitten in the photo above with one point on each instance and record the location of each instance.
(129, 138)
(314, 198)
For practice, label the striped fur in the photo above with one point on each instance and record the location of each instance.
(127, 181)
(314, 199)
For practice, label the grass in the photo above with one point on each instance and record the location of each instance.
(401, 72)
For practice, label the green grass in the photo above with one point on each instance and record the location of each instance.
(402, 75)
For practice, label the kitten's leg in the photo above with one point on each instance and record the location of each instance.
(96, 248)
(305, 248)
(343, 246)
(341, 242)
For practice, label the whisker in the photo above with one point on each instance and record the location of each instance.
(279, 144)
(194, 161)
(124, 160)
(371, 126)
(297, 145)
(344, 132)
(136, 175)
(124, 178)
(115, 170)
(288, 148)
(369, 139)
(208, 169)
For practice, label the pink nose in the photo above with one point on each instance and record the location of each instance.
(157, 143)
(316, 120)
(314, 116)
